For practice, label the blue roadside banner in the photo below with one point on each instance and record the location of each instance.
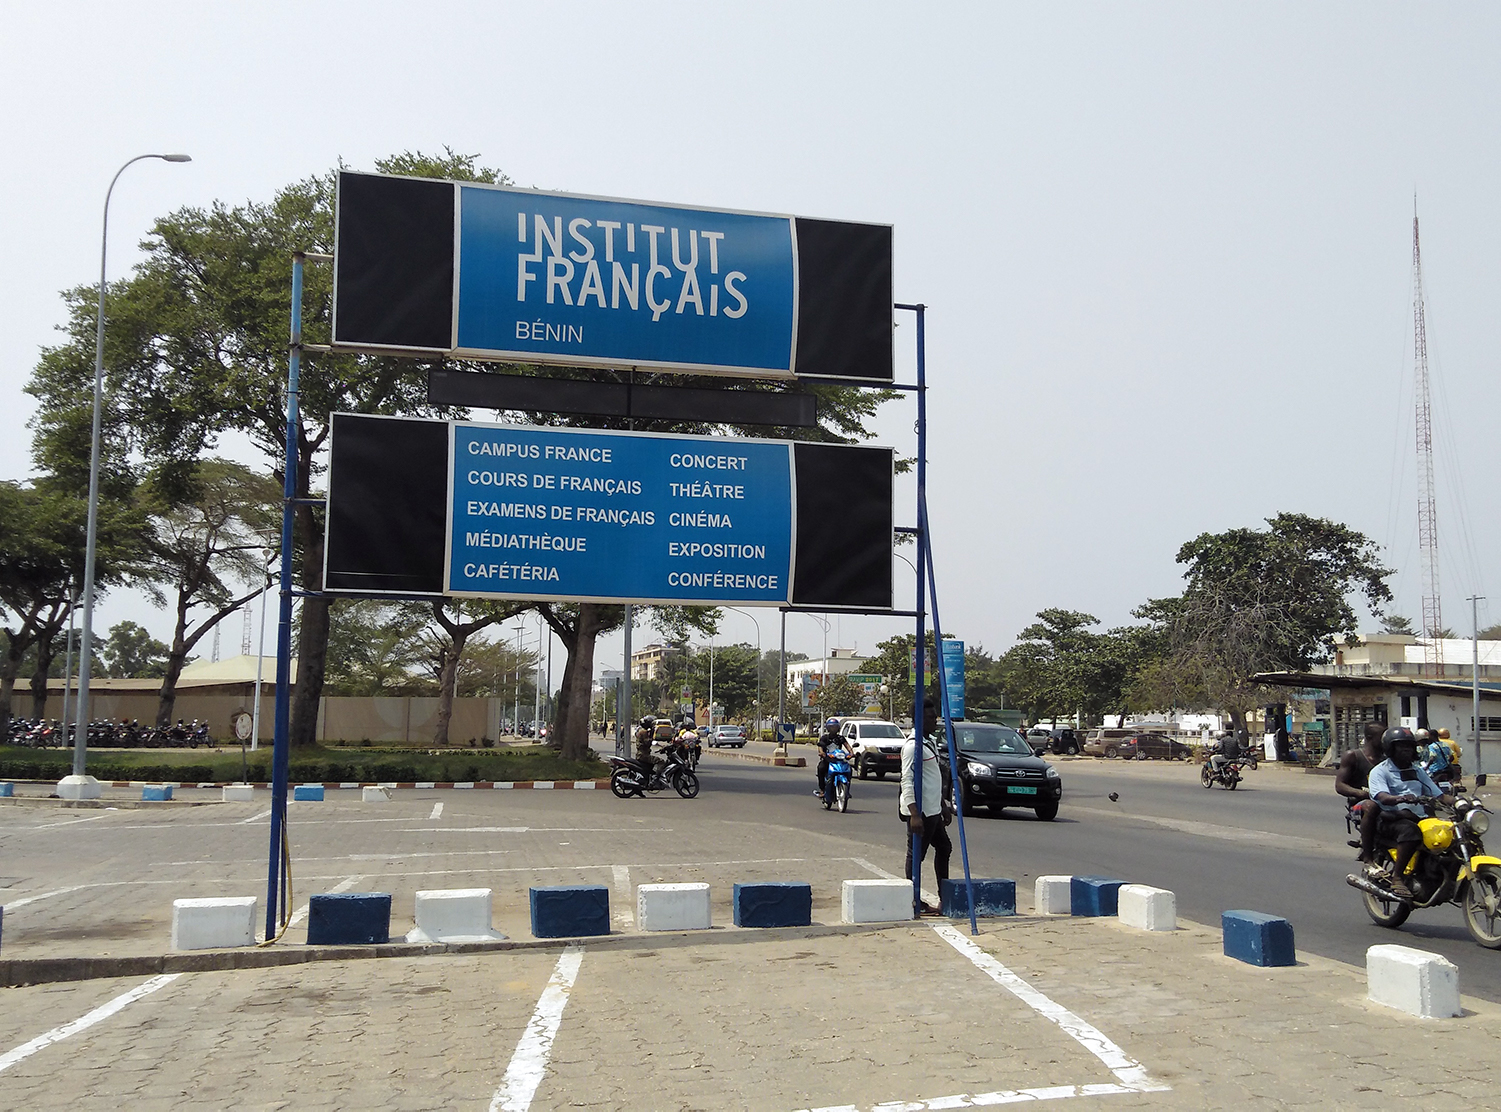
(598, 516)
(953, 674)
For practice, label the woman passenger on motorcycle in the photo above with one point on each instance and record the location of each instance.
(1399, 787)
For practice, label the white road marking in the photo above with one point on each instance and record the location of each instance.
(883, 874)
(1218, 830)
(67, 822)
(981, 1100)
(103, 1012)
(255, 818)
(13, 904)
(1130, 1073)
(529, 1062)
(437, 811)
(624, 916)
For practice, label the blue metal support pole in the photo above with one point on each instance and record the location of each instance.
(948, 720)
(275, 890)
(920, 646)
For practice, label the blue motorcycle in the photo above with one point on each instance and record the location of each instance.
(836, 784)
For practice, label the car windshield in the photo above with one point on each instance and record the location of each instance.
(880, 729)
(990, 739)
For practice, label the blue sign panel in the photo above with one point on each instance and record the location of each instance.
(953, 675)
(594, 516)
(586, 281)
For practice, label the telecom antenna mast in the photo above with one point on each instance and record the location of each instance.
(1433, 622)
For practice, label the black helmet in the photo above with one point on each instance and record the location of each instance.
(1394, 735)
(648, 721)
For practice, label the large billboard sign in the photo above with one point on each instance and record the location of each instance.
(422, 508)
(544, 513)
(496, 273)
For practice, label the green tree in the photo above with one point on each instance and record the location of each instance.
(840, 696)
(131, 653)
(210, 551)
(1396, 623)
(734, 677)
(376, 648)
(457, 621)
(1265, 601)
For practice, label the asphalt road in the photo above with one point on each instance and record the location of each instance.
(1275, 845)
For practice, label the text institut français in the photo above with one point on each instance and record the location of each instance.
(691, 488)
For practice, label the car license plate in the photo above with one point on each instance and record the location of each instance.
(1016, 789)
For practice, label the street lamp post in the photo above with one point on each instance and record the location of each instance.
(78, 785)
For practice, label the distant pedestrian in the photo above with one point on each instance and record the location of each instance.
(930, 816)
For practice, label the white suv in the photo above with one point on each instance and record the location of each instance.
(732, 736)
(876, 745)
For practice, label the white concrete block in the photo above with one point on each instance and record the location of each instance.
(672, 907)
(79, 787)
(1414, 981)
(1053, 895)
(377, 794)
(1147, 908)
(454, 915)
(876, 901)
(213, 924)
(239, 793)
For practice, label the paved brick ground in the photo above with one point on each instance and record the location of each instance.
(831, 1017)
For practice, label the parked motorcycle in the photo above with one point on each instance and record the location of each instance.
(1450, 867)
(836, 784)
(635, 778)
(1226, 775)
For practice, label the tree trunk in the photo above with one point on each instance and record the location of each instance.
(448, 680)
(578, 682)
(561, 714)
(312, 646)
(10, 664)
(44, 659)
(176, 659)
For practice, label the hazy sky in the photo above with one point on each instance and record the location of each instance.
(1167, 248)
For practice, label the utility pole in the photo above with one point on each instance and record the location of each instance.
(1433, 622)
(1475, 679)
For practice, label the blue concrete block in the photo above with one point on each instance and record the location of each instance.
(349, 919)
(1093, 895)
(7, 790)
(156, 793)
(308, 793)
(774, 904)
(1258, 939)
(992, 898)
(570, 911)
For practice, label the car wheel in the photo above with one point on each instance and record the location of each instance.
(1048, 811)
(1072, 750)
(880, 774)
(862, 769)
(1110, 751)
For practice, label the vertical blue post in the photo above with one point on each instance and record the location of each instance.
(281, 744)
(922, 556)
(948, 720)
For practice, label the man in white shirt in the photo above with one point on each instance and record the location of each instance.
(931, 816)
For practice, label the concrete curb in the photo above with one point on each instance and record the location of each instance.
(757, 758)
(39, 971)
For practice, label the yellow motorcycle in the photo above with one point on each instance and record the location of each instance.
(1450, 867)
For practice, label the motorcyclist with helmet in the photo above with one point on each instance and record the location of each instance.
(829, 736)
(1226, 749)
(1399, 787)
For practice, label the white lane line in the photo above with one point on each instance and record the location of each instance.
(343, 886)
(980, 1100)
(83, 1023)
(883, 874)
(1215, 830)
(624, 917)
(66, 822)
(529, 1063)
(255, 818)
(1128, 1071)
(13, 904)
(437, 811)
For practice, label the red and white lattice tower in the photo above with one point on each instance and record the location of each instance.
(1433, 621)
